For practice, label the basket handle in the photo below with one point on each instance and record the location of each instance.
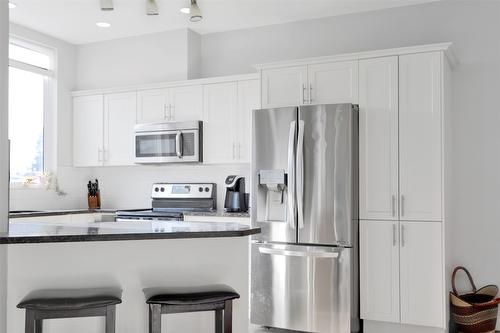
(453, 276)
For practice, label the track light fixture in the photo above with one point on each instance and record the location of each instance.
(107, 5)
(151, 7)
(193, 10)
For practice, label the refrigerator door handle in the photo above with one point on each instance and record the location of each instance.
(300, 175)
(296, 253)
(291, 175)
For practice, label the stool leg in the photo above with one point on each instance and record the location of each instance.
(154, 318)
(29, 323)
(38, 326)
(110, 319)
(218, 321)
(228, 317)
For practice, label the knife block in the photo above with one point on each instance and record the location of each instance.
(94, 200)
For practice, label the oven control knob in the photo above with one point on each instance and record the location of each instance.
(162, 189)
(157, 189)
(200, 189)
(207, 189)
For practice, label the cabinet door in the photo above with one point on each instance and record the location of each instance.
(379, 270)
(119, 122)
(185, 103)
(422, 284)
(248, 100)
(335, 82)
(152, 106)
(420, 136)
(219, 106)
(88, 131)
(378, 138)
(284, 86)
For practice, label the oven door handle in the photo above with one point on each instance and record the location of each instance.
(178, 144)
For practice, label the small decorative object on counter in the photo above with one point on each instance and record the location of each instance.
(474, 312)
(94, 195)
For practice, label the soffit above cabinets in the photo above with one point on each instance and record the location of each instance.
(75, 20)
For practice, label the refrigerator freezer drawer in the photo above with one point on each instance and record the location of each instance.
(303, 288)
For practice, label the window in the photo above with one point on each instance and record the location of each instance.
(31, 79)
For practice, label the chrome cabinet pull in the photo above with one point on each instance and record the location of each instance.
(393, 205)
(171, 112)
(99, 155)
(304, 94)
(234, 150)
(239, 150)
(310, 93)
(394, 240)
(403, 235)
(402, 205)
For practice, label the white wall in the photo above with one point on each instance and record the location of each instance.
(149, 58)
(4, 166)
(474, 28)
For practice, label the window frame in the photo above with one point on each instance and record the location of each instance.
(49, 107)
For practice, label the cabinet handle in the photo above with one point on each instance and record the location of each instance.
(310, 93)
(403, 235)
(234, 149)
(239, 150)
(171, 114)
(99, 155)
(165, 111)
(394, 240)
(105, 155)
(393, 205)
(304, 93)
(402, 205)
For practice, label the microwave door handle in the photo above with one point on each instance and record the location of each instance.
(178, 144)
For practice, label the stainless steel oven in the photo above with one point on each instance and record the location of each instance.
(169, 142)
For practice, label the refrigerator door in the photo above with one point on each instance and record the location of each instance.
(303, 288)
(273, 174)
(327, 174)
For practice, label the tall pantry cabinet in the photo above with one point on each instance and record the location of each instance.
(403, 108)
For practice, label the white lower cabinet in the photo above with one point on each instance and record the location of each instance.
(401, 272)
(422, 269)
(379, 270)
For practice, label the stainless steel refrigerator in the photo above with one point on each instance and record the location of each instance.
(304, 268)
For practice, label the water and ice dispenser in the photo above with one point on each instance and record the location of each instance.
(272, 192)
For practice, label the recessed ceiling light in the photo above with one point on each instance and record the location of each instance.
(186, 10)
(103, 24)
(12, 5)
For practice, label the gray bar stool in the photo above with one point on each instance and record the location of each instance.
(217, 298)
(69, 304)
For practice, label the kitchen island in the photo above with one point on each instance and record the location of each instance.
(129, 256)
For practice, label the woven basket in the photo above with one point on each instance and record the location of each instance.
(474, 312)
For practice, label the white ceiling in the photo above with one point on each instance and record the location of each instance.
(74, 20)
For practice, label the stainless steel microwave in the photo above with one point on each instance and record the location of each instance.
(169, 142)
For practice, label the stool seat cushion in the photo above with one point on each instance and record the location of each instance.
(71, 299)
(193, 295)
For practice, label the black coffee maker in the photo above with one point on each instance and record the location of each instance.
(236, 198)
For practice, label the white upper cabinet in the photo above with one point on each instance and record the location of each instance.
(331, 83)
(420, 132)
(185, 103)
(379, 270)
(152, 106)
(284, 86)
(220, 104)
(378, 138)
(248, 100)
(182, 103)
(119, 122)
(88, 129)
(422, 280)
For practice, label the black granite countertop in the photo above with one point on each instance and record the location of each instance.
(40, 232)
